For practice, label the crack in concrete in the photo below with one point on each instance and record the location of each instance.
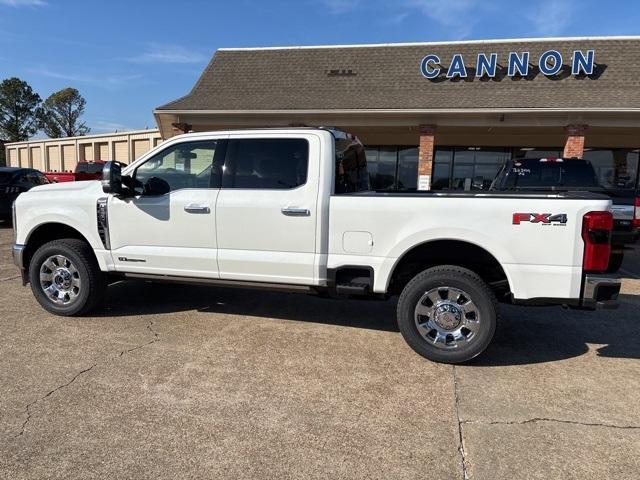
(156, 337)
(554, 420)
(60, 387)
(456, 397)
(6, 279)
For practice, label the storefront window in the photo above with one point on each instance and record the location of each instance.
(616, 169)
(460, 168)
(408, 168)
(392, 167)
(441, 175)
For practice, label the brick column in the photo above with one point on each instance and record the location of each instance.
(425, 156)
(574, 145)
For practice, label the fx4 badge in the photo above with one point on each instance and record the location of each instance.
(543, 218)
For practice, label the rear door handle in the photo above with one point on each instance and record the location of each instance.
(295, 212)
(196, 208)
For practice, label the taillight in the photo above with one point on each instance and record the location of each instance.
(596, 234)
(636, 213)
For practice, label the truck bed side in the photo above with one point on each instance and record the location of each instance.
(540, 260)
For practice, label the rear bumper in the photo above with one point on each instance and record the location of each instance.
(600, 291)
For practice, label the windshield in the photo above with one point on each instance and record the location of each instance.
(536, 174)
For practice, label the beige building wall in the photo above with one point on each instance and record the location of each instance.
(86, 152)
(102, 151)
(62, 154)
(121, 151)
(68, 157)
(37, 160)
(140, 147)
(12, 157)
(23, 155)
(53, 154)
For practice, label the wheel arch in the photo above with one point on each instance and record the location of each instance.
(449, 251)
(45, 233)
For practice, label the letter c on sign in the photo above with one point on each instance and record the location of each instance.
(428, 71)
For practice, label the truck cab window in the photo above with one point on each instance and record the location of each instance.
(274, 163)
(184, 165)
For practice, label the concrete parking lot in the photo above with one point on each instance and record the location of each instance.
(193, 382)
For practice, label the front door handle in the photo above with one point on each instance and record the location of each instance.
(295, 212)
(196, 208)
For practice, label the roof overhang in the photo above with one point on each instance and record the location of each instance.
(516, 117)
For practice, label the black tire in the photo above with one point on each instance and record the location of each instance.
(93, 284)
(615, 262)
(457, 279)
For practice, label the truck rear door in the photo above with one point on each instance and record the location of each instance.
(267, 208)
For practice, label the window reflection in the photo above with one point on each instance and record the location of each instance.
(463, 168)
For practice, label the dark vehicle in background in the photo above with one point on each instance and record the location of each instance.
(87, 170)
(14, 181)
(561, 175)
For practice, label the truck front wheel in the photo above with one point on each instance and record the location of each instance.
(65, 277)
(447, 314)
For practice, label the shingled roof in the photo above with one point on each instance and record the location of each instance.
(389, 77)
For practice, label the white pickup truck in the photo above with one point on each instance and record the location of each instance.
(292, 209)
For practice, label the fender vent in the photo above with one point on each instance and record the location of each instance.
(102, 217)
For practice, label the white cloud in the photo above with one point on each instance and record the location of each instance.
(107, 126)
(551, 17)
(158, 53)
(106, 81)
(458, 15)
(395, 19)
(340, 6)
(23, 3)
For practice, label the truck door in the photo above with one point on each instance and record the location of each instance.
(266, 210)
(170, 228)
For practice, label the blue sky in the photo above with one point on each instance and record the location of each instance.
(128, 57)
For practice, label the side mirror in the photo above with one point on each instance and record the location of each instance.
(112, 178)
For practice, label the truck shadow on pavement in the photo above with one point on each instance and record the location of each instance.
(526, 335)
(144, 298)
(545, 334)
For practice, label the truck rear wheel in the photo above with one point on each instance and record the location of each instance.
(447, 314)
(65, 277)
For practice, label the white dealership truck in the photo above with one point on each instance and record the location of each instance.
(291, 209)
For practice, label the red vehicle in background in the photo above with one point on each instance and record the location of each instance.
(87, 170)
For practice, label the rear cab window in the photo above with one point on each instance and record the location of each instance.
(552, 174)
(89, 167)
(266, 163)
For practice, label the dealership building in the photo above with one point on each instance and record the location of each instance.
(435, 115)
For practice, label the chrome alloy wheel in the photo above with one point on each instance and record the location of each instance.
(447, 317)
(60, 280)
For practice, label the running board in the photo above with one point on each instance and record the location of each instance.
(352, 288)
(283, 287)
